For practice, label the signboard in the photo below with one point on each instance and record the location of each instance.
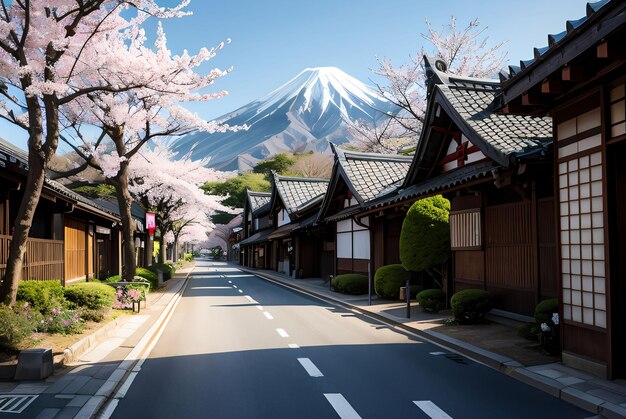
(151, 222)
(103, 230)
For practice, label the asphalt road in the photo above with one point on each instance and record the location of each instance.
(238, 346)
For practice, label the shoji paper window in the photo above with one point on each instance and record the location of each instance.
(581, 210)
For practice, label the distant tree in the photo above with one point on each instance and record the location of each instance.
(235, 188)
(466, 53)
(101, 190)
(279, 163)
(312, 165)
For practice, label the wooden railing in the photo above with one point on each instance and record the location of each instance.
(43, 260)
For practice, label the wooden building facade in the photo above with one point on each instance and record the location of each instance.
(579, 80)
(255, 249)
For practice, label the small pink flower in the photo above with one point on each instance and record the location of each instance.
(56, 311)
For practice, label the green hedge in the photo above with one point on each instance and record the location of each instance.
(15, 326)
(90, 295)
(432, 300)
(388, 280)
(149, 275)
(350, 284)
(43, 296)
(471, 305)
(425, 235)
(167, 268)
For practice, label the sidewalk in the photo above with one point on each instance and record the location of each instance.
(97, 365)
(495, 345)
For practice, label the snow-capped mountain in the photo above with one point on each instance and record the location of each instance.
(303, 114)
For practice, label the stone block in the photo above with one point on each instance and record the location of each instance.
(34, 364)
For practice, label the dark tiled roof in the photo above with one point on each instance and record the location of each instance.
(299, 193)
(555, 40)
(258, 237)
(506, 134)
(370, 174)
(438, 183)
(258, 199)
(18, 156)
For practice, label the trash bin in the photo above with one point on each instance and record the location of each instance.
(160, 276)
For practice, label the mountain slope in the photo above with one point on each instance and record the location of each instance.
(301, 115)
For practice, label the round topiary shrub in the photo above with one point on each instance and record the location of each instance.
(43, 296)
(149, 275)
(432, 300)
(425, 236)
(388, 280)
(350, 284)
(471, 305)
(90, 295)
(545, 310)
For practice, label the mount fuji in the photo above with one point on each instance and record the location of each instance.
(302, 115)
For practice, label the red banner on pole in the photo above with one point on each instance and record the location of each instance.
(151, 222)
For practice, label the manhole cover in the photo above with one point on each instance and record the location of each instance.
(15, 403)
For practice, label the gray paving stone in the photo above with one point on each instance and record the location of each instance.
(76, 384)
(105, 372)
(91, 387)
(78, 401)
(581, 399)
(67, 413)
(568, 381)
(612, 411)
(608, 396)
(47, 413)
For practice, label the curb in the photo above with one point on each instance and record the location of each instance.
(129, 365)
(492, 360)
(73, 352)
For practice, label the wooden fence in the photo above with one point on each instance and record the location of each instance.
(43, 260)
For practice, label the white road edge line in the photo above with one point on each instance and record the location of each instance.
(341, 406)
(310, 367)
(282, 333)
(260, 307)
(250, 298)
(268, 315)
(431, 409)
(294, 346)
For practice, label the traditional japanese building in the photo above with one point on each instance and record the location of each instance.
(255, 249)
(579, 80)
(496, 171)
(357, 179)
(300, 249)
(64, 240)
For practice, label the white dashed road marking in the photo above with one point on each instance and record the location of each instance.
(341, 406)
(282, 333)
(294, 346)
(268, 315)
(260, 307)
(310, 367)
(437, 353)
(431, 409)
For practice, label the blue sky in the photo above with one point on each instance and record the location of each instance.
(273, 40)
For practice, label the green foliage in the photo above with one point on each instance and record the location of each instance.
(425, 236)
(188, 257)
(101, 190)
(62, 321)
(547, 327)
(90, 295)
(217, 252)
(432, 300)
(43, 296)
(471, 305)
(279, 163)
(167, 268)
(545, 309)
(221, 217)
(350, 284)
(236, 187)
(15, 325)
(114, 278)
(148, 274)
(388, 280)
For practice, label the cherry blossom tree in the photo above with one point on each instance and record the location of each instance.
(41, 46)
(147, 106)
(173, 193)
(466, 52)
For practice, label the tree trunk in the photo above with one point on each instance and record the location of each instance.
(175, 255)
(125, 201)
(23, 222)
(162, 248)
